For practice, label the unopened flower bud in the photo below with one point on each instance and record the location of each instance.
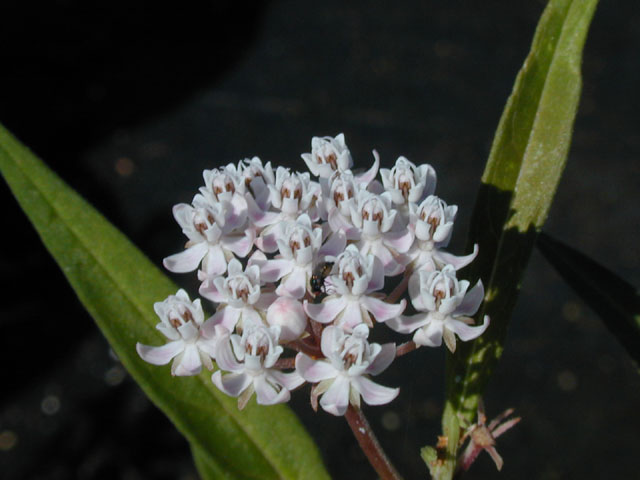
(287, 313)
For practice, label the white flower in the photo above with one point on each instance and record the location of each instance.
(293, 194)
(328, 155)
(447, 307)
(407, 183)
(225, 183)
(181, 321)
(239, 295)
(342, 376)
(433, 221)
(353, 278)
(257, 177)
(373, 215)
(251, 359)
(215, 232)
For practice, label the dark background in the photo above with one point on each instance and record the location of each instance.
(129, 102)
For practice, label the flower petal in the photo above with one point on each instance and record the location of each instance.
(383, 311)
(408, 324)
(232, 384)
(384, 358)
(289, 380)
(267, 393)
(314, 370)
(464, 331)
(430, 335)
(159, 355)
(336, 399)
(189, 364)
(471, 301)
(373, 393)
(188, 260)
(326, 311)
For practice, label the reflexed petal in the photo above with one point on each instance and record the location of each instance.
(273, 270)
(314, 370)
(370, 174)
(336, 399)
(372, 393)
(326, 311)
(268, 394)
(472, 300)
(189, 364)
(404, 324)
(430, 335)
(159, 355)
(294, 285)
(334, 245)
(445, 258)
(351, 316)
(464, 331)
(289, 380)
(186, 261)
(232, 384)
(381, 310)
(225, 316)
(376, 282)
(225, 358)
(383, 359)
(239, 244)
(400, 241)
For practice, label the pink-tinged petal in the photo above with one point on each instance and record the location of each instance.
(334, 245)
(472, 300)
(241, 245)
(265, 301)
(294, 285)
(370, 174)
(188, 260)
(331, 340)
(267, 394)
(352, 315)
(215, 262)
(326, 311)
(289, 380)
(209, 290)
(260, 217)
(376, 282)
(386, 258)
(189, 364)
(336, 399)
(273, 270)
(404, 324)
(400, 241)
(430, 335)
(207, 347)
(381, 310)
(159, 355)
(232, 384)
(226, 317)
(314, 370)
(225, 358)
(383, 359)
(267, 241)
(374, 394)
(239, 208)
(458, 262)
(250, 317)
(467, 332)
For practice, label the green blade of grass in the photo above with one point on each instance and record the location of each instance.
(118, 286)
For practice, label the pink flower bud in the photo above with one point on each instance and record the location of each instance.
(287, 313)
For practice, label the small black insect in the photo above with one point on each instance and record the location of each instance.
(320, 273)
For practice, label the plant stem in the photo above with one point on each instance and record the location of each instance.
(405, 348)
(401, 288)
(369, 444)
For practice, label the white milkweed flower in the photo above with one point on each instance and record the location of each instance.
(257, 177)
(239, 295)
(292, 195)
(342, 376)
(373, 215)
(354, 277)
(181, 321)
(225, 183)
(407, 183)
(432, 222)
(215, 234)
(251, 359)
(446, 307)
(288, 314)
(299, 244)
(328, 154)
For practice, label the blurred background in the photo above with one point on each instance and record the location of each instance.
(130, 102)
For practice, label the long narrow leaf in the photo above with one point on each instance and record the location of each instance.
(118, 286)
(616, 301)
(520, 179)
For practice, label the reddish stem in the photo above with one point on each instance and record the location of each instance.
(401, 288)
(405, 348)
(369, 444)
(285, 363)
(306, 348)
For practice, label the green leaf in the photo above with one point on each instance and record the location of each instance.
(520, 179)
(118, 285)
(616, 301)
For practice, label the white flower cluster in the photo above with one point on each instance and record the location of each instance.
(292, 262)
